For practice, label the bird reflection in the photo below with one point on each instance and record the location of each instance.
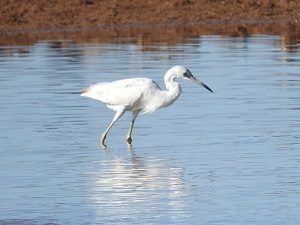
(133, 184)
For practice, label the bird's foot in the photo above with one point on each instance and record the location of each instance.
(129, 143)
(129, 140)
(103, 137)
(103, 145)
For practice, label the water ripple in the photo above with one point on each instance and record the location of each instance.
(227, 158)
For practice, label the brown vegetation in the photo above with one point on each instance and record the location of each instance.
(233, 17)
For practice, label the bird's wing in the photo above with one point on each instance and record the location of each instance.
(122, 92)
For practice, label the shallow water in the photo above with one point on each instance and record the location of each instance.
(231, 157)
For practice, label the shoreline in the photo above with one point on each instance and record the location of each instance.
(207, 22)
(159, 32)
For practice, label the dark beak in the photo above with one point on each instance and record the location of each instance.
(193, 79)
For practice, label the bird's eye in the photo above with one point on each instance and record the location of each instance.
(187, 74)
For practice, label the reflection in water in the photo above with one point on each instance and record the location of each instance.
(290, 43)
(137, 187)
(170, 34)
(13, 51)
(290, 39)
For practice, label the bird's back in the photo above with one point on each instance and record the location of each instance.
(126, 93)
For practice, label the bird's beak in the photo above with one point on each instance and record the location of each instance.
(193, 79)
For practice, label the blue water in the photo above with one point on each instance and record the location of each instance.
(231, 157)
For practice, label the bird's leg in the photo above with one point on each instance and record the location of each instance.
(118, 114)
(134, 115)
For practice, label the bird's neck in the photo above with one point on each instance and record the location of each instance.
(173, 88)
(170, 82)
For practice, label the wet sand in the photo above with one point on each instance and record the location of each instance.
(169, 21)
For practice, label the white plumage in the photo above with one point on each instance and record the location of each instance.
(139, 94)
(128, 93)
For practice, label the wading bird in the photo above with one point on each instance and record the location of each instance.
(139, 94)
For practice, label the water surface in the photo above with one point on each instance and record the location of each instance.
(231, 157)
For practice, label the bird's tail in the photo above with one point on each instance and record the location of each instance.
(85, 90)
(93, 91)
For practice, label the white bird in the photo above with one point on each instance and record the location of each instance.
(139, 94)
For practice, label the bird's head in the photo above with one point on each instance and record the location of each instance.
(184, 73)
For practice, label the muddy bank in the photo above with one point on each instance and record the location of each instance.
(54, 14)
(169, 21)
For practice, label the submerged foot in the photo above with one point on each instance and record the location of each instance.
(129, 140)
